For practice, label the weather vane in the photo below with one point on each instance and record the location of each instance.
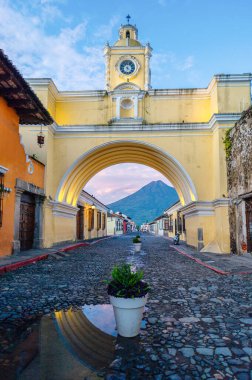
(128, 18)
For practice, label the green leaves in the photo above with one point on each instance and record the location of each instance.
(227, 143)
(123, 275)
(127, 284)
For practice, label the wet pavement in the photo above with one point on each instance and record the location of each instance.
(197, 324)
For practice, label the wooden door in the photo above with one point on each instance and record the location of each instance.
(27, 221)
(80, 223)
(249, 224)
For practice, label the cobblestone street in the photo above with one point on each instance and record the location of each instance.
(198, 323)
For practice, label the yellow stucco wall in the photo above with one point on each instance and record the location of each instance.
(82, 112)
(173, 109)
(178, 106)
(204, 222)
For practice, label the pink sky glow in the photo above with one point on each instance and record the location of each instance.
(119, 181)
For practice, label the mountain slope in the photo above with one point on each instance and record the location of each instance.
(147, 203)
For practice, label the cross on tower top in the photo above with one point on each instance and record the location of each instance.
(128, 18)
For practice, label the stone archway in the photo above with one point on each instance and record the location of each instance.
(116, 152)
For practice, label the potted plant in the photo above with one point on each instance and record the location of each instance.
(128, 295)
(137, 243)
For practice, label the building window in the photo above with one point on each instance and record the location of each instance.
(183, 223)
(103, 221)
(98, 220)
(90, 219)
(179, 223)
(166, 224)
(127, 34)
(170, 223)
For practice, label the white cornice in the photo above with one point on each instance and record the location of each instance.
(197, 209)
(65, 96)
(203, 208)
(233, 77)
(219, 80)
(179, 92)
(63, 209)
(221, 202)
(136, 125)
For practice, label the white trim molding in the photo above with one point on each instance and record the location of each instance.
(222, 202)
(200, 208)
(63, 209)
(203, 208)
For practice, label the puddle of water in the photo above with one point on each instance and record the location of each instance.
(67, 345)
(102, 316)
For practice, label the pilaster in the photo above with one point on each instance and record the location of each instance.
(38, 230)
(16, 241)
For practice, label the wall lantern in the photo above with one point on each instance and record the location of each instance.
(93, 206)
(40, 138)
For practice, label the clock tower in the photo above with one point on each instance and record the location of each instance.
(127, 72)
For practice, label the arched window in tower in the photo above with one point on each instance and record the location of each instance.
(127, 34)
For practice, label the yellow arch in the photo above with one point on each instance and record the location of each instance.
(117, 152)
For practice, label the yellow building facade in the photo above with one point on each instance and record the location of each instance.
(178, 132)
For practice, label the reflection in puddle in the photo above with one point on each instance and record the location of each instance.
(68, 345)
(102, 316)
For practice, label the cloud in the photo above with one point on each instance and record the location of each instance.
(63, 55)
(187, 64)
(166, 66)
(43, 41)
(164, 60)
(105, 32)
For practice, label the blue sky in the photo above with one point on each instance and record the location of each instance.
(191, 39)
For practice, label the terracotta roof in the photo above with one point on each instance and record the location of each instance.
(18, 94)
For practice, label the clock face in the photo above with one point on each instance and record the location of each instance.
(127, 67)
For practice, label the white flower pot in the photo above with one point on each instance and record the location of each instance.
(128, 314)
(137, 247)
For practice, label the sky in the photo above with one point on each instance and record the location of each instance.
(63, 39)
(119, 181)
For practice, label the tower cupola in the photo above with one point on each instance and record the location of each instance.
(128, 35)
